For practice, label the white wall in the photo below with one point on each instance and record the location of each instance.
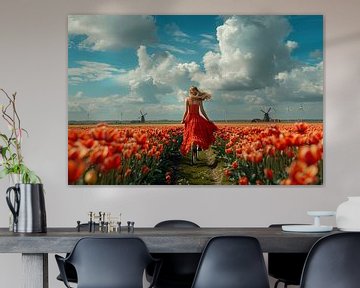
(33, 62)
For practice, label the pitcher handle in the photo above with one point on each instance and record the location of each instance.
(13, 208)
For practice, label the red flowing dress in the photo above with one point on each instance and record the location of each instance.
(197, 131)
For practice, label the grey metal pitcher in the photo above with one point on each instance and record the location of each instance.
(28, 208)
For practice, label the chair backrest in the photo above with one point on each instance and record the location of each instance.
(333, 262)
(286, 266)
(178, 269)
(176, 224)
(232, 262)
(110, 262)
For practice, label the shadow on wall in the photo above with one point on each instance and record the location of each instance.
(344, 39)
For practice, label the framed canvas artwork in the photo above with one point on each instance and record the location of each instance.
(195, 100)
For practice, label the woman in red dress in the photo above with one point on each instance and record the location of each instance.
(199, 130)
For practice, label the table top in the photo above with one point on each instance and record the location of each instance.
(158, 240)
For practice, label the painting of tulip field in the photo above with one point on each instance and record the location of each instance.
(136, 87)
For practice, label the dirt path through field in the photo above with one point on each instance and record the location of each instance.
(205, 171)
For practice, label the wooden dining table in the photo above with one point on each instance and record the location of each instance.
(35, 247)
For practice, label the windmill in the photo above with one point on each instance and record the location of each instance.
(142, 117)
(266, 115)
(91, 109)
(225, 115)
(301, 111)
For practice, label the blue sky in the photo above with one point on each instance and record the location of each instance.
(118, 65)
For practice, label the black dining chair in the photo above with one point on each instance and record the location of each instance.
(232, 262)
(285, 267)
(178, 269)
(108, 263)
(333, 262)
(70, 271)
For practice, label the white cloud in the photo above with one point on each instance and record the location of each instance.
(208, 36)
(178, 35)
(99, 102)
(292, 45)
(316, 54)
(112, 32)
(161, 111)
(303, 83)
(175, 49)
(174, 30)
(254, 100)
(79, 94)
(75, 107)
(243, 71)
(181, 95)
(250, 53)
(208, 42)
(147, 90)
(158, 75)
(282, 76)
(116, 107)
(104, 107)
(91, 71)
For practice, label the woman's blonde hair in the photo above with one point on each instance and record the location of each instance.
(201, 95)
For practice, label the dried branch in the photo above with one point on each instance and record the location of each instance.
(12, 159)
